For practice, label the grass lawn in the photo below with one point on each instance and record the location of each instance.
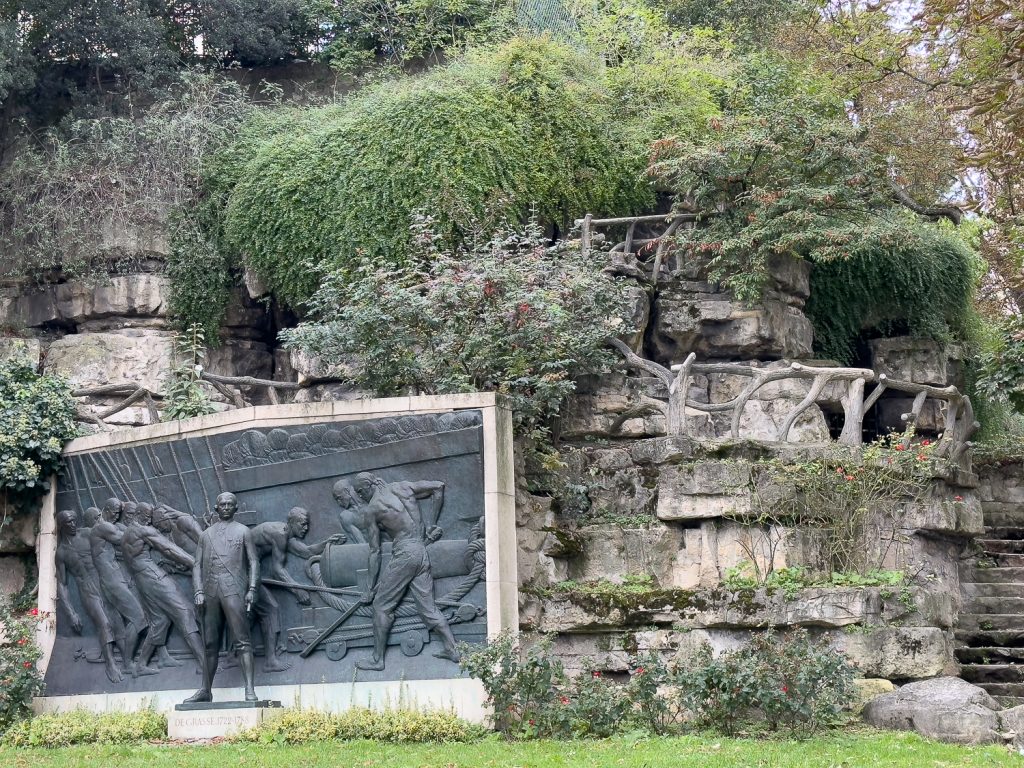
(845, 750)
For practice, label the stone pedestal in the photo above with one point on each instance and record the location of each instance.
(211, 720)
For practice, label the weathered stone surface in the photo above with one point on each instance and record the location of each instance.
(945, 708)
(899, 653)
(762, 419)
(129, 298)
(124, 296)
(715, 327)
(867, 688)
(18, 532)
(610, 415)
(703, 490)
(611, 552)
(129, 355)
(922, 361)
(890, 411)
(940, 512)
(637, 316)
(13, 575)
(1001, 484)
(12, 347)
(241, 357)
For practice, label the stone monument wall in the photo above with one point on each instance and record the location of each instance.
(424, 485)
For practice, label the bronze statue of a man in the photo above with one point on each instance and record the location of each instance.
(224, 577)
(393, 508)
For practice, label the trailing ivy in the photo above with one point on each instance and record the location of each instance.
(37, 416)
(920, 283)
(475, 143)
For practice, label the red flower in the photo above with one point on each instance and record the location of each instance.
(922, 457)
(34, 612)
(27, 665)
(839, 470)
(958, 498)
(533, 722)
(785, 689)
(22, 641)
(564, 699)
(595, 673)
(926, 443)
(900, 448)
(850, 477)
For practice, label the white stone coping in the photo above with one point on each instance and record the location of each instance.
(463, 696)
(499, 486)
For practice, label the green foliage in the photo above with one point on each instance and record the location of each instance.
(795, 684)
(299, 726)
(786, 172)
(846, 502)
(521, 689)
(20, 680)
(1002, 367)
(99, 56)
(98, 191)
(792, 579)
(398, 34)
(919, 282)
(792, 683)
(185, 397)
(475, 143)
(37, 416)
(510, 316)
(82, 727)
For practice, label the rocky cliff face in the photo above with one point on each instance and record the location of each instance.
(671, 510)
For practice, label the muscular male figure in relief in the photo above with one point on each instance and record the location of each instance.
(393, 508)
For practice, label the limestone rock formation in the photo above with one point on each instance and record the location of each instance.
(943, 708)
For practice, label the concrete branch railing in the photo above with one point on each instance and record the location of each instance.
(632, 246)
(228, 386)
(959, 414)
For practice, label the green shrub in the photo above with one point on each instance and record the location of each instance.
(790, 682)
(785, 683)
(475, 143)
(298, 726)
(37, 416)
(19, 678)
(510, 316)
(82, 727)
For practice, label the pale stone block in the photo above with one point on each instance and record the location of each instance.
(202, 724)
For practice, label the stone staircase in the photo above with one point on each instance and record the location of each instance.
(990, 630)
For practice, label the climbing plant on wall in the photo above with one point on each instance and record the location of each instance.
(37, 416)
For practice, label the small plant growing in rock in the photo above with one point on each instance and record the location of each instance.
(185, 395)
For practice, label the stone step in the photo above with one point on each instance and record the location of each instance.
(991, 621)
(1015, 690)
(993, 638)
(1007, 560)
(1002, 546)
(1009, 702)
(1004, 517)
(993, 673)
(990, 655)
(1004, 531)
(972, 589)
(993, 575)
(1000, 605)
